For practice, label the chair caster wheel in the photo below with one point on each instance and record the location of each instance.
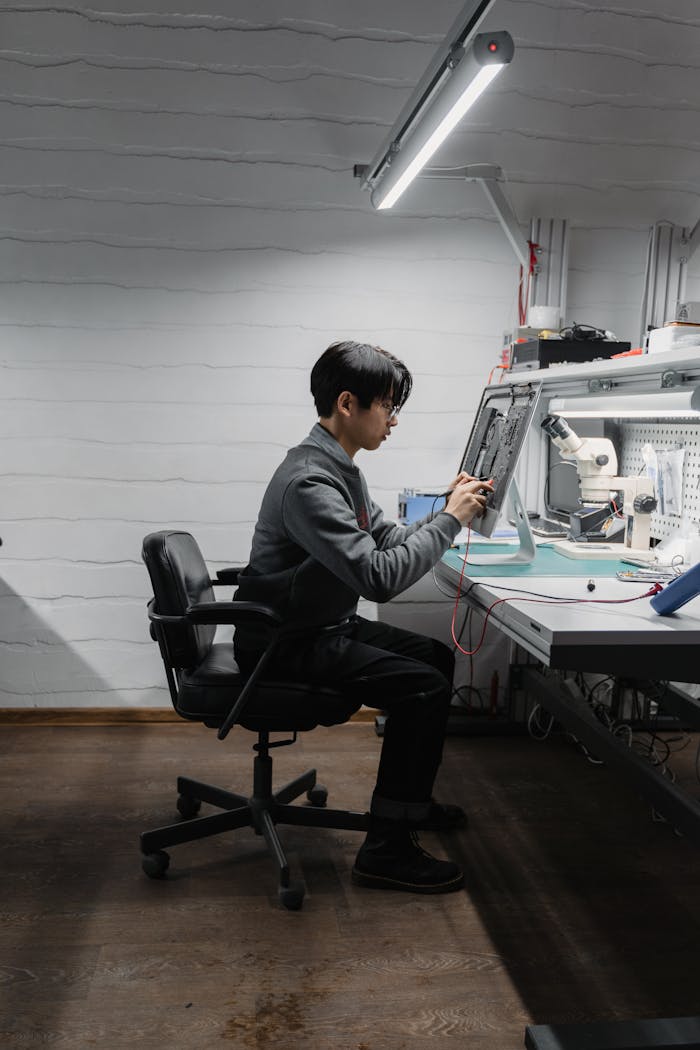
(292, 896)
(188, 806)
(318, 795)
(155, 865)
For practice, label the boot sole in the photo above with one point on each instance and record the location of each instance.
(382, 882)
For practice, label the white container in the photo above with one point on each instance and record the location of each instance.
(674, 337)
(544, 317)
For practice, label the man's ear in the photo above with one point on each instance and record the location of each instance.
(344, 403)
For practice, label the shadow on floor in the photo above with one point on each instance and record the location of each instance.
(592, 905)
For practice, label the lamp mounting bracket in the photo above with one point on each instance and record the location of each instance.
(489, 176)
(456, 55)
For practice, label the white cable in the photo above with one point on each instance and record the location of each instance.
(534, 716)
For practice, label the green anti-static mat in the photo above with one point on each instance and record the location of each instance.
(548, 562)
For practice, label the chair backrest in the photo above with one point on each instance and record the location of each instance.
(179, 577)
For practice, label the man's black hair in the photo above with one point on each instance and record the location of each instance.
(368, 372)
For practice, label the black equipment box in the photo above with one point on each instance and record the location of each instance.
(541, 353)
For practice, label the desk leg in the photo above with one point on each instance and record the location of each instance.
(674, 804)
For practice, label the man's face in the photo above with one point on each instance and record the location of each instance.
(373, 425)
(355, 427)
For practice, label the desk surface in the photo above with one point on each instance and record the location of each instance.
(548, 562)
(628, 640)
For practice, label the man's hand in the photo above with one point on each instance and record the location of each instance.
(462, 476)
(468, 498)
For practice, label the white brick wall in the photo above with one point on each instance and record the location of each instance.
(182, 236)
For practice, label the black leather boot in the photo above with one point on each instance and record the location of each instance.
(442, 816)
(391, 858)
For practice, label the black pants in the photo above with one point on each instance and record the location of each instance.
(407, 676)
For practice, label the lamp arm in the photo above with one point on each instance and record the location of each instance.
(507, 219)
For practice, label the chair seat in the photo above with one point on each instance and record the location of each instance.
(207, 693)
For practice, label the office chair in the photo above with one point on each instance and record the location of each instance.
(206, 686)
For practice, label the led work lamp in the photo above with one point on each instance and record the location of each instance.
(468, 75)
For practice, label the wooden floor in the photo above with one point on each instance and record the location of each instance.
(578, 905)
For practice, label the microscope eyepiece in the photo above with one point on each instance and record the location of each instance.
(556, 426)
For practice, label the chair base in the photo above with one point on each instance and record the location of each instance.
(262, 811)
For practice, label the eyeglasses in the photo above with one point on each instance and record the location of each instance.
(392, 411)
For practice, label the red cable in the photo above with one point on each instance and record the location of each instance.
(537, 601)
(523, 300)
(522, 311)
(488, 381)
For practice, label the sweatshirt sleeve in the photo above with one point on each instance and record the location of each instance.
(319, 518)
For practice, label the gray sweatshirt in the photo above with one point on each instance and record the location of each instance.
(321, 543)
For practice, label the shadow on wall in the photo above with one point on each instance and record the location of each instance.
(77, 652)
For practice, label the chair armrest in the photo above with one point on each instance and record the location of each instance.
(232, 613)
(229, 575)
(280, 635)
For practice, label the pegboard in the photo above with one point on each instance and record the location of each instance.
(669, 435)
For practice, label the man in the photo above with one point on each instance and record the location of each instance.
(320, 543)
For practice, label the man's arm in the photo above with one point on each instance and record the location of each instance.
(389, 534)
(319, 518)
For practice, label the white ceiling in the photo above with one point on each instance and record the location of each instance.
(597, 118)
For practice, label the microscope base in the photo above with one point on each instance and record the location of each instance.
(601, 551)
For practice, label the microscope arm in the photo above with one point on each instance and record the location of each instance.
(596, 464)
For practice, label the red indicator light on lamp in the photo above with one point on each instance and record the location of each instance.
(493, 46)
